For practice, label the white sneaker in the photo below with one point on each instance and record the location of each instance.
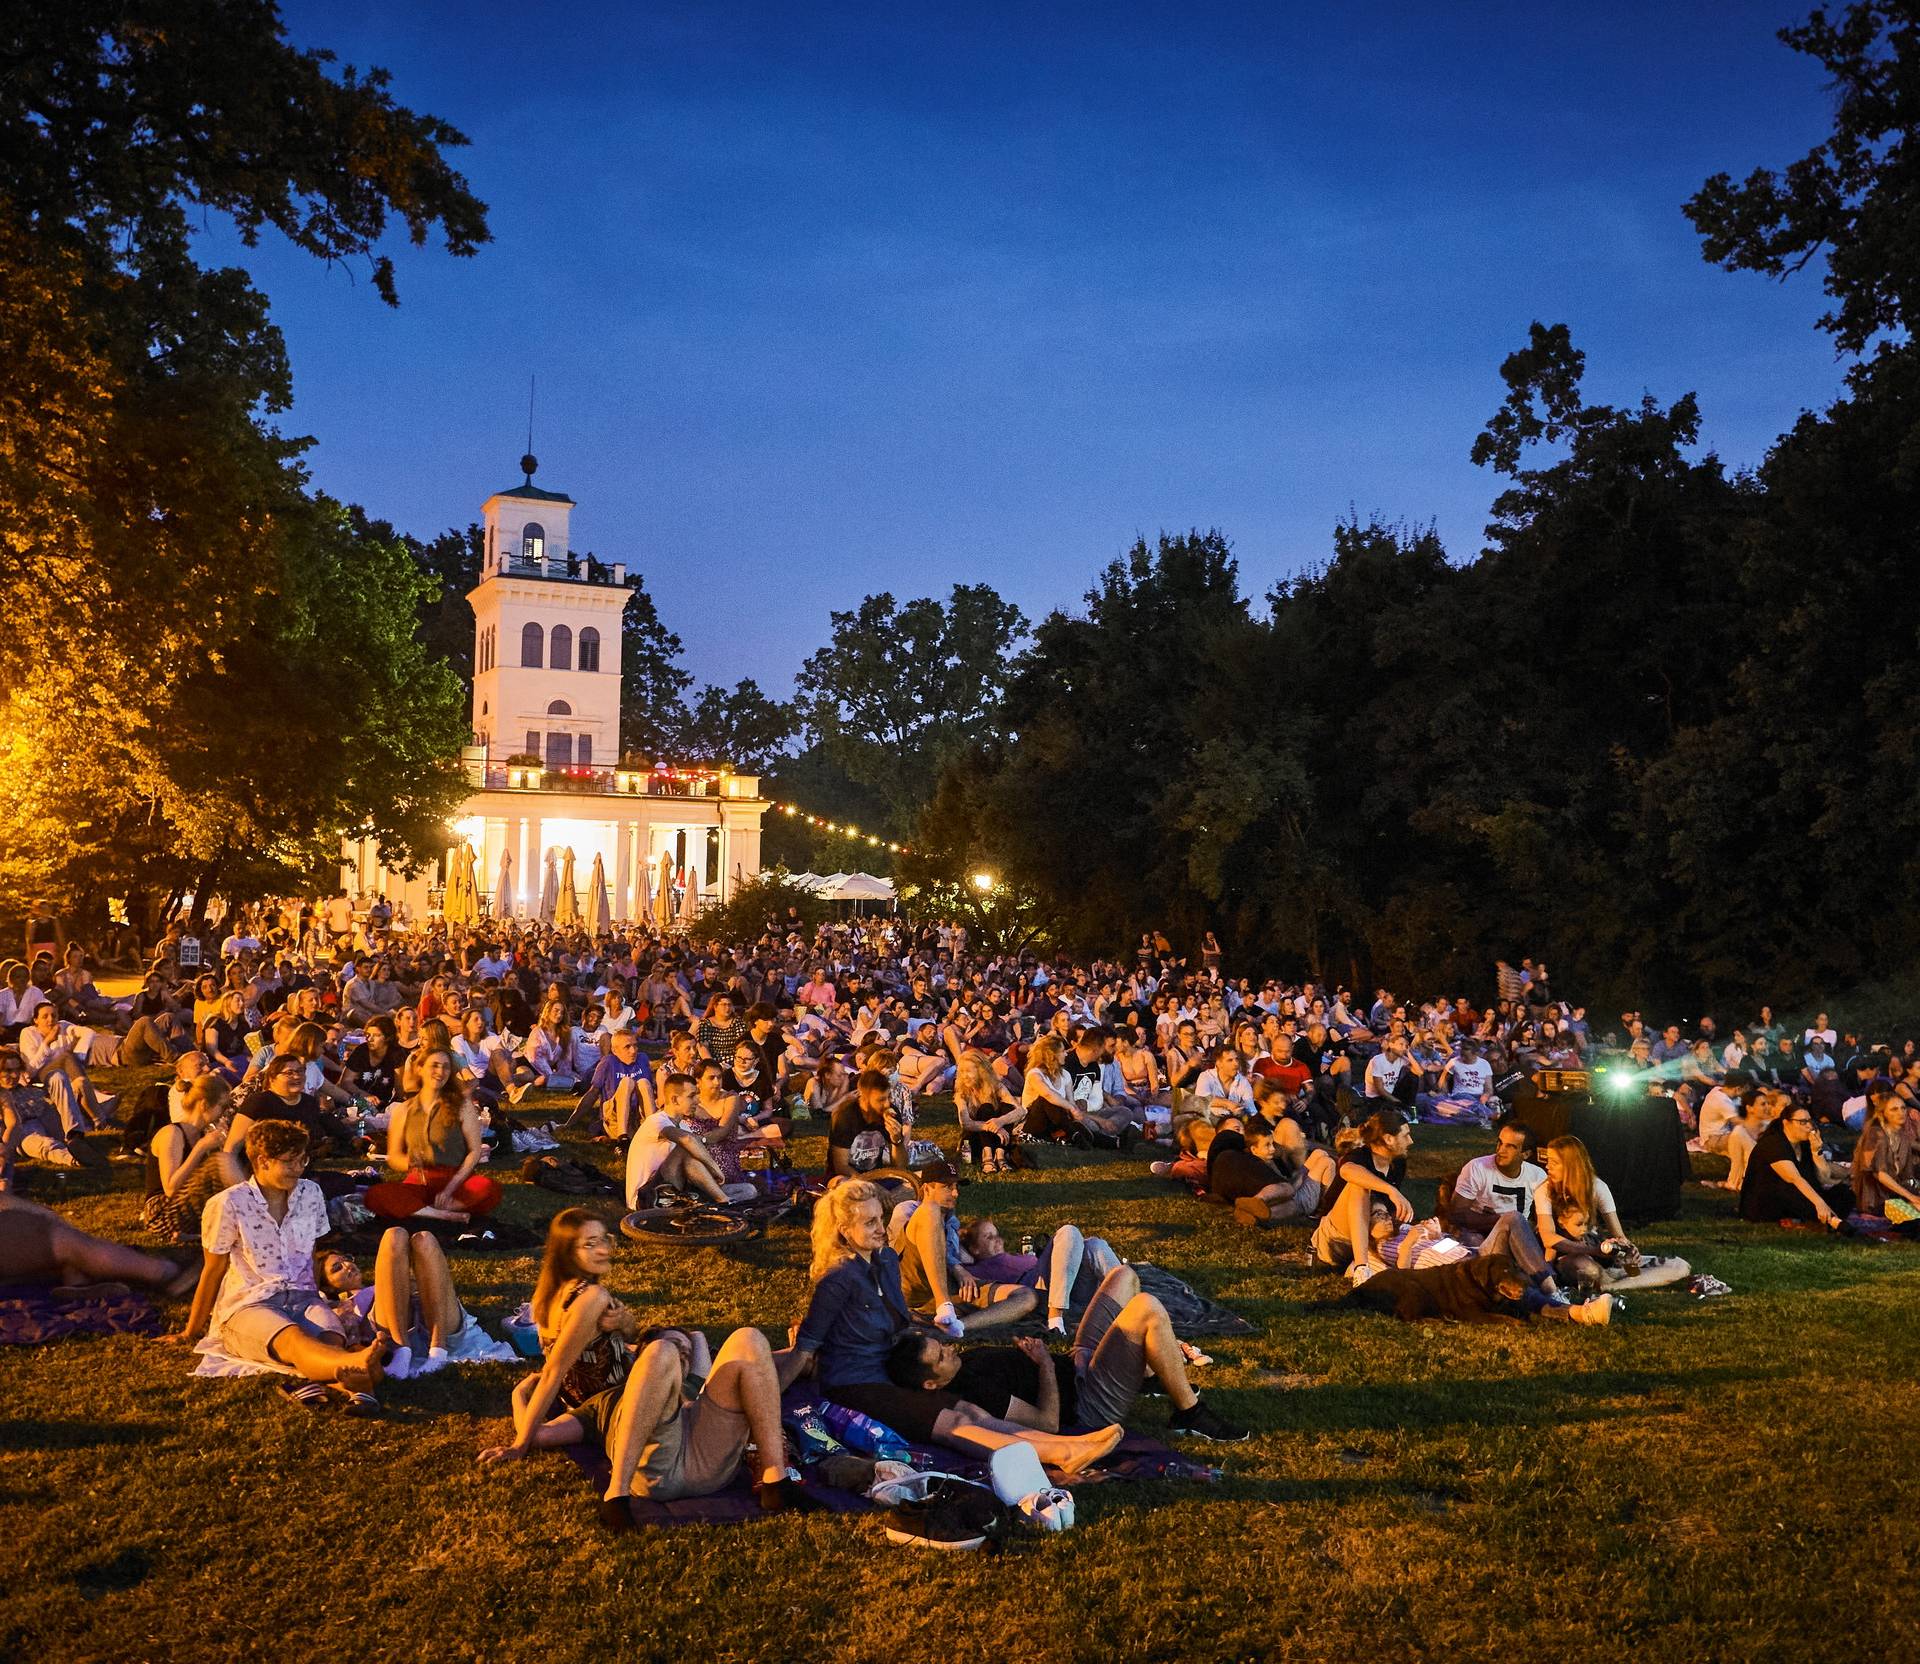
(1359, 1272)
(950, 1326)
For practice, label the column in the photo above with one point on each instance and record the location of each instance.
(515, 839)
(622, 871)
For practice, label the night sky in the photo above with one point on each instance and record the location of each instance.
(825, 300)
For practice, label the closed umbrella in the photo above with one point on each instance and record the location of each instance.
(663, 892)
(503, 887)
(566, 912)
(472, 863)
(550, 889)
(643, 883)
(599, 914)
(690, 897)
(454, 907)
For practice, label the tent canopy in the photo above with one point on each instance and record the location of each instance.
(856, 886)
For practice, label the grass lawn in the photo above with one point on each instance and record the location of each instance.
(1702, 1481)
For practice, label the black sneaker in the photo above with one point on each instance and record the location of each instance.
(1199, 1422)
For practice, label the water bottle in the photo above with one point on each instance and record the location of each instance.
(966, 1152)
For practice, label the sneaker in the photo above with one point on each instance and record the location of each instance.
(1198, 1421)
(1194, 1357)
(1359, 1272)
(1597, 1311)
(1558, 1298)
(1160, 1169)
(951, 1327)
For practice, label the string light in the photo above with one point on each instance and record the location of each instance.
(847, 831)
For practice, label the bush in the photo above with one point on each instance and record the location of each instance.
(769, 895)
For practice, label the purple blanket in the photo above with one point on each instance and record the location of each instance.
(31, 1314)
(1137, 1457)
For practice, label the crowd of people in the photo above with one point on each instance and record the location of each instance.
(407, 1055)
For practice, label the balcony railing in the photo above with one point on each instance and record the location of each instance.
(580, 569)
(488, 774)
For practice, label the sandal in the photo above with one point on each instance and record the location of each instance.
(310, 1394)
(356, 1403)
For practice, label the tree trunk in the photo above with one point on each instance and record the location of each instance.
(203, 890)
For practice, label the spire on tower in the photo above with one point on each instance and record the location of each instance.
(530, 462)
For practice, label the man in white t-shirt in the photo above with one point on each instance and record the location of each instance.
(1490, 1185)
(1465, 1079)
(665, 1150)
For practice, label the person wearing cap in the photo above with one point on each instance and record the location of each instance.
(28, 1125)
(933, 1265)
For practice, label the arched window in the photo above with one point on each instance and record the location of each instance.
(533, 542)
(530, 645)
(589, 649)
(560, 648)
(559, 708)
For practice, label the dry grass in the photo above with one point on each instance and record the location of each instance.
(1704, 1481)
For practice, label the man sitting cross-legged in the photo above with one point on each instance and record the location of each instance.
(1124, 1336)
(933, 1265)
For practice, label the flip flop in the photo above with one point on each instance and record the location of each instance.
(355, 1403)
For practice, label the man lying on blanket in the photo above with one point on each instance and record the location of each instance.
(1123, 1336)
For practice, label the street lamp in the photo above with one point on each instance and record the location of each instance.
(983, 882)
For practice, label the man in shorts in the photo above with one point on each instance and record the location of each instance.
(1124, 1336)
(933, 1271)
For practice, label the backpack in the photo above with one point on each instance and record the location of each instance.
(954, 1514)
(569, 1178)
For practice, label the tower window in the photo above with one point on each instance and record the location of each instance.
(589, 649)
(533, 542)
(559, 708)
(530, 638)
(560, 648)
(559, 751)
(533, 742)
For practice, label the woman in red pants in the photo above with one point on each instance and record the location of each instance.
(434, 1139)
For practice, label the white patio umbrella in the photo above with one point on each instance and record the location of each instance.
(863, 886)
(663, 892)
(550, 889)
(690, 897)
(566, 911)
(503, 887)
(828, 888)
(643, 885)
(599, 914)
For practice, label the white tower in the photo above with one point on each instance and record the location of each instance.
(546, 644)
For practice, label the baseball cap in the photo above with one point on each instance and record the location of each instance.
(939, 1172)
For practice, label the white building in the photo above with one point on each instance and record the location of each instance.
(545, 760)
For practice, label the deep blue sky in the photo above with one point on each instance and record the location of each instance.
(827, 300)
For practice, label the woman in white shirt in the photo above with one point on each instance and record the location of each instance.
(549, 1052)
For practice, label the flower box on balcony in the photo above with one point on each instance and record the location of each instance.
(524, 778)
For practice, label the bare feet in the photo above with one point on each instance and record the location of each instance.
(361, 1371)
(181, 1284)
(1090, 1448)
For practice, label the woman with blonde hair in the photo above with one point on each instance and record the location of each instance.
(674, 1419)
(989, 1113)
(1047, 1096)
(856, 1311)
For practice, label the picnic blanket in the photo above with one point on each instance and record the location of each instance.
(1136, 1458)
(32, 1314)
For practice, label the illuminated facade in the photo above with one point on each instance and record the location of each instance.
(545, 760)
